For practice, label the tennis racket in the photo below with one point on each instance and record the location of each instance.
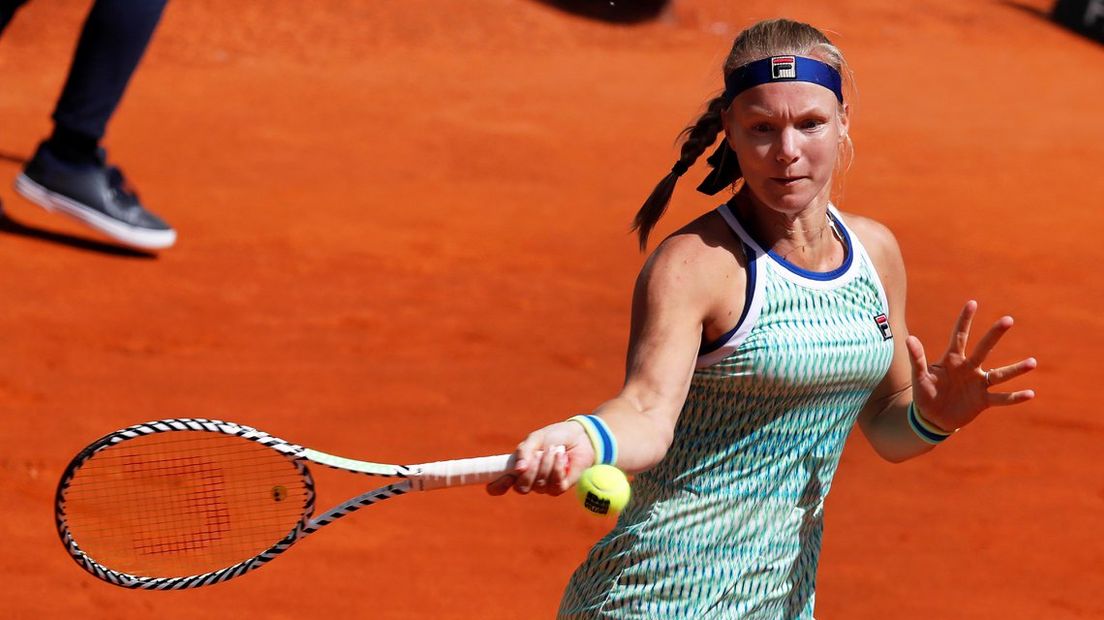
(185, 503)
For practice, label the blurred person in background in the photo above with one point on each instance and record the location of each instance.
(69, 172)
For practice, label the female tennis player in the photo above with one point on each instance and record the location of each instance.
(761, 332)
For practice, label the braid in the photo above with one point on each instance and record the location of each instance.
(699, 136)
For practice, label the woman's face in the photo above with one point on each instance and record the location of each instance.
(787, 138)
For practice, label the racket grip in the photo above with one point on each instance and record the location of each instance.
(461, 472)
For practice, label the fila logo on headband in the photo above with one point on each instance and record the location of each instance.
(883, 325)
(783, 67)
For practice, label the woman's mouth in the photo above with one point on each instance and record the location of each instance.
(786, 181)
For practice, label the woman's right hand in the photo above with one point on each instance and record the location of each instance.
(550, 460)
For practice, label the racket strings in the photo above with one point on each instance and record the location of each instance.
(203, 502)
(183, 503)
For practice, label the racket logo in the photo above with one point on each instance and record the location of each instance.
(882, 321)
(187, 484)
(279, 493)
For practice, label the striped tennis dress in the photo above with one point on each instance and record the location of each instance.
(729, 523)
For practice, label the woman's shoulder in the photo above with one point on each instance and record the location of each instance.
(706, 241)
(879, 241)
(876, 237)
(698, 272)
(696, 254)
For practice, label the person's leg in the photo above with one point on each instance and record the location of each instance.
(113, 40)
(7, 10)
(69, 172)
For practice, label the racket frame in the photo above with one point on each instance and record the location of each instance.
(295, 453)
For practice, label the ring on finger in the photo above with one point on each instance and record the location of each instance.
(988, 381)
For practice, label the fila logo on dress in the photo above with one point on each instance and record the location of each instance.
(883, 325)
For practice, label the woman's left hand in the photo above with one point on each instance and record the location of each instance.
(954, 391)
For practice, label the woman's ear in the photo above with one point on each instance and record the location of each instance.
(726, 122)
(845, 121)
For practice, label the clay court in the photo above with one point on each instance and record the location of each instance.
(404, 237)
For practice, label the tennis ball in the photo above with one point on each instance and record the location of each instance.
(603, 489)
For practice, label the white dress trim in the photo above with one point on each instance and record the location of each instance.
(761, 260)
(754, 305)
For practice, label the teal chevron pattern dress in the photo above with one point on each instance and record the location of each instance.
(729, 523)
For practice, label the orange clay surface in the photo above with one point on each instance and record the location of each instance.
(403, 238)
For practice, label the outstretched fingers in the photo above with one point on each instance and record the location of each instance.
(1004, 399)
(990, 339)
(1011, 371)
(997, 376)
(961, 334)
(916, 357)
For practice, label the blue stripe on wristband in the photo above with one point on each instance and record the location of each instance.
(609, 445)
(923, 431)
(601, 439)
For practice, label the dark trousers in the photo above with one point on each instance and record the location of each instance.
(112, 43)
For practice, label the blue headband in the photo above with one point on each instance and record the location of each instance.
(782, 69)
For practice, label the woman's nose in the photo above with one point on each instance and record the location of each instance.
(787, 150)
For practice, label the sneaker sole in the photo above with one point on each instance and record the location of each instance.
(141, 238)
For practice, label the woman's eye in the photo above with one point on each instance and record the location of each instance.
(761, 128)
(811, 124)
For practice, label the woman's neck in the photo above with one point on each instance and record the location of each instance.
(806, 238)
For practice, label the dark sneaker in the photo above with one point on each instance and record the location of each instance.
(95, 194)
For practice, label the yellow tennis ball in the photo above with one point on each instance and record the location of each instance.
(603, 490)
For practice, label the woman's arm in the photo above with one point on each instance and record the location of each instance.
(949, 394)
(883, 419)
(672, 298)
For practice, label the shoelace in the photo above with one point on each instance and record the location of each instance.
(119, 186)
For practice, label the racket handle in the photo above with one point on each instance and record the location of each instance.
(460, 472)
